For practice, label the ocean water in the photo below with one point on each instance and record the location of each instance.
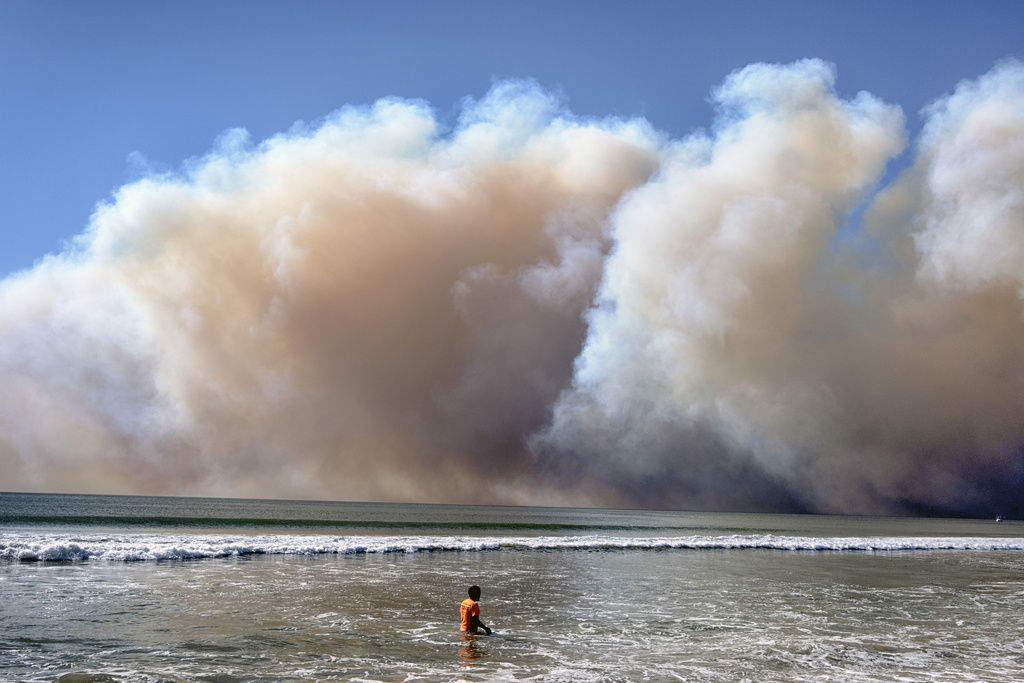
(105, 588)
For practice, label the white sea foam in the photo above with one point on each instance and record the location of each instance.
(29, 546)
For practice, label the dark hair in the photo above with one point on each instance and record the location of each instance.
(474, 592)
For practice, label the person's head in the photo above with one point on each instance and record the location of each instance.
(474, 592)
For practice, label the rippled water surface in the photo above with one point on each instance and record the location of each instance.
(80, 601)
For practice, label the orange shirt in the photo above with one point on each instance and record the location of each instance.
(470, 608)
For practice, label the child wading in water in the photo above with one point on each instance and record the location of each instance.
(470, 611)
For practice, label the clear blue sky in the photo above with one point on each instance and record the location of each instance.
(84, 85)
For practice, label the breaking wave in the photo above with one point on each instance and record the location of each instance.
(128, 548)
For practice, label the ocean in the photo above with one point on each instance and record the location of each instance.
(124, 588)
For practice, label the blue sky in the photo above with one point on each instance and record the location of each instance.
(91, 88)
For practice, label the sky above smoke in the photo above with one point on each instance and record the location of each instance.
(526, 306)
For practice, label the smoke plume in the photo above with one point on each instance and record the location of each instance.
(531, 307)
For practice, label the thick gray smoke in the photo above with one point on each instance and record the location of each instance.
(535, 308)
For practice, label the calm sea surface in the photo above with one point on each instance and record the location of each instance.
(111, 588)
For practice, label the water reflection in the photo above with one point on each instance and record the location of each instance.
(469, 649)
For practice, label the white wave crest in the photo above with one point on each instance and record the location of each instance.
(126, 548)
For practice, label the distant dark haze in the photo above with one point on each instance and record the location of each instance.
(535, 308)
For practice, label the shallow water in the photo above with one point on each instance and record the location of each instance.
(579, 612)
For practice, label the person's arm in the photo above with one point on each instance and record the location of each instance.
(476, 623)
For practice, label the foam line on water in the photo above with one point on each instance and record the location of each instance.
(136, 547)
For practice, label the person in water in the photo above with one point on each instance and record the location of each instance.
(470, 611)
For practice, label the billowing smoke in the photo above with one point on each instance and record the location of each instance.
(373, 308)
(745, 352)
(531, 307)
